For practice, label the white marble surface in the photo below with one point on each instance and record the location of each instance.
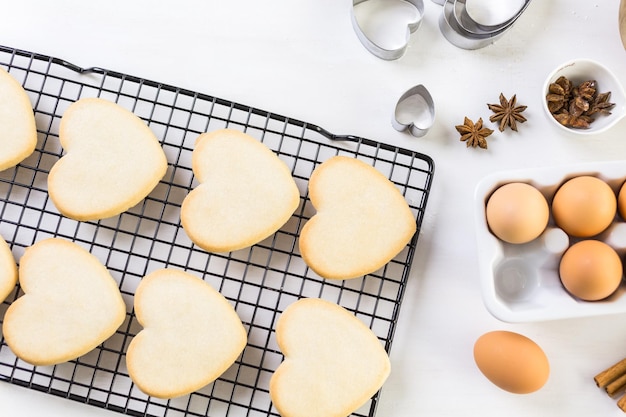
(302, 59)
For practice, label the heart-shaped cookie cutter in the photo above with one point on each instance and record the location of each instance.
(458, 35)
(380, 51)
(460, 29)
(471, 25)
(414, 111)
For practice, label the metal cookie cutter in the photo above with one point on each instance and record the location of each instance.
(379, 51)
(506, 16)
(415, 111)
(461, 30)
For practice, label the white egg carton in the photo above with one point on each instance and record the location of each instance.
(520, 283)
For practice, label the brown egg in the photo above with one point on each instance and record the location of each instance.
(511, 361)
(517, 212)
(584, 206)
(621, 199)
(590, 270)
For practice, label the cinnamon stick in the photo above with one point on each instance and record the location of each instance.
(621, 403)
(610, 374)
(616, 386)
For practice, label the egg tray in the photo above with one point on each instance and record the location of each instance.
(520, 282)
(260, 281)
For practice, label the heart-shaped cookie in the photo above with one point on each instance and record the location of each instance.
(246, 192)
(8, 270)
(18, 133)
(333, 362)
(71, 304)
(190, 336)
(112, 161)
(362, 220)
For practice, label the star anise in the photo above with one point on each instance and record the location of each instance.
(601, 104)
(585, 90)
(507, 113)
(474, 134)
(577, 106)
(559, 93)
(572, 120)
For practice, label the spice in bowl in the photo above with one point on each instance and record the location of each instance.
(577, 106)
(583, 97)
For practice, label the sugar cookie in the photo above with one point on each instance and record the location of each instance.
(245, 194)
(8, 270)
(18, 133)
(191, 334)
(333, 362)
(71, 304)
(362, 220)
(112, 161)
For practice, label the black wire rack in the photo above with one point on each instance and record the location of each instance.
(260, 281)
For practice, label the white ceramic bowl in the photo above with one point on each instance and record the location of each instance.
(520, 282)
(580, 70)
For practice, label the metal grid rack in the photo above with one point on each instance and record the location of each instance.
(259, 281)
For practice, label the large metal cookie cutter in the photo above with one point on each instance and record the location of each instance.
(460, 29)
(380, 51)
(501, 16)
(414, 111)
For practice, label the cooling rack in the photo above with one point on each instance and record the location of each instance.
(259, 281)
